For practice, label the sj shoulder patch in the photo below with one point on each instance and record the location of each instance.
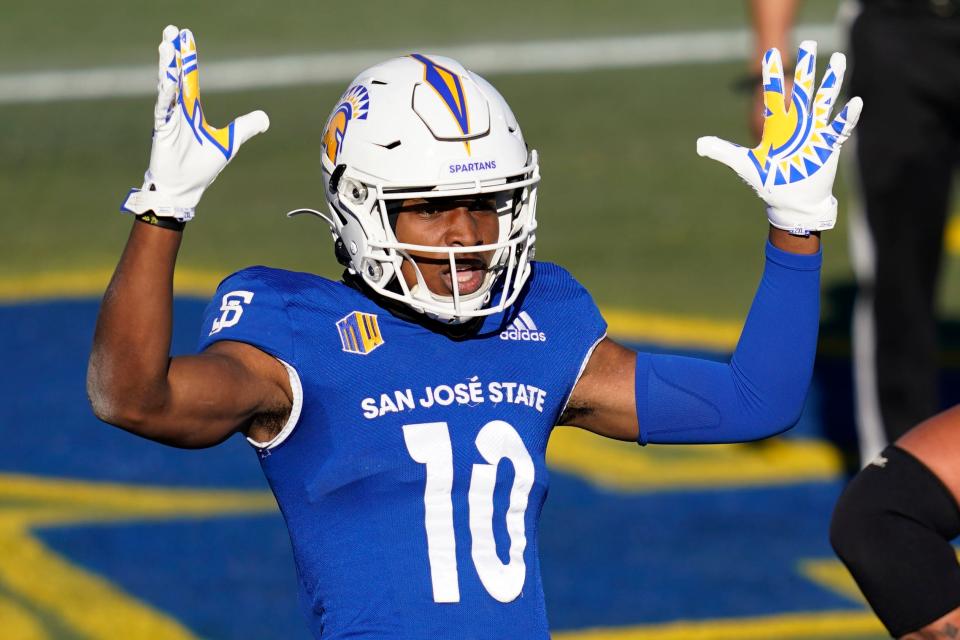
(231, 308)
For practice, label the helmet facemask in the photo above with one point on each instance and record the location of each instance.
(365, 223)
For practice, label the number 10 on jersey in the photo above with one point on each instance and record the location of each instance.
(429, 444)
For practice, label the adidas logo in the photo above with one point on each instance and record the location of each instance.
(523, 328)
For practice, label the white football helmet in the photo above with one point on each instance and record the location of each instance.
(425, 127)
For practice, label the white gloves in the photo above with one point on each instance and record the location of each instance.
(793, 167)
(188, 154)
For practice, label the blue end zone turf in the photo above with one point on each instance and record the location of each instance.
(619, 560)
(229, 577)
(45, 348)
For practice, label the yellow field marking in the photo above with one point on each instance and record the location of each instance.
(83, 602)
(44, 501)
(624, 466)
(668, 330)
(689, 331)
(631, 325)
(92, 283)
(17, 621)
(826, 624)
(952, 236)
(92, 607)
(86, 603)
(834, 576)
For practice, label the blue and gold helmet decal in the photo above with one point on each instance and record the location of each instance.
(449, 87)
(353, 106)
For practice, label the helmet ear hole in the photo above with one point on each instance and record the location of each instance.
(372, 269)
(354, 191)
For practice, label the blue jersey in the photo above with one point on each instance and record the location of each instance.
(411, 474)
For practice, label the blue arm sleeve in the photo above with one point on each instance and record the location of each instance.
(761, 391)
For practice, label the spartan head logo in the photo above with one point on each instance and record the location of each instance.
(353, 106)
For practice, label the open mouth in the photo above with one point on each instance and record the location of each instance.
(469, 274)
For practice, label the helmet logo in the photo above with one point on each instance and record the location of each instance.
(353, 106)
(448, 86)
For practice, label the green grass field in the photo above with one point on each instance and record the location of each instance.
(57, 33)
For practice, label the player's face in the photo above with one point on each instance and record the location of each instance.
(464, 221)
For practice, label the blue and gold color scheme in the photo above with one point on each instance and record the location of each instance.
(360, 333)
(449, 87)
(189, 78)
(354, 106)
(797, 141)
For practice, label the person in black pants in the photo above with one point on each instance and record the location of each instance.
(905, 64)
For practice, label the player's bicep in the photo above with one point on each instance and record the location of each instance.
(227, 388)
(936, 443)
(603, 399)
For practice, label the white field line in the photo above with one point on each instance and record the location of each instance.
(342, 66)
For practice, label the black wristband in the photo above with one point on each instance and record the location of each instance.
(164, 223)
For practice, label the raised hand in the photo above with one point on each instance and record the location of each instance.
(188, 153)
(793, 167)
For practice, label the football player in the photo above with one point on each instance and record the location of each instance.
(893, 525)
(401, 415)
